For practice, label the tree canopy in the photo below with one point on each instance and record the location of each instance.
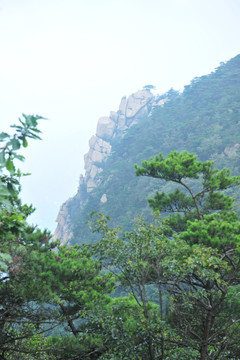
(184, 279)
(167, 289)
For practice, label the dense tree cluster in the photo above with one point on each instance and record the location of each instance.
(168, 289)
(44, 287)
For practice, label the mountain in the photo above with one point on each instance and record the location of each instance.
(204, 119)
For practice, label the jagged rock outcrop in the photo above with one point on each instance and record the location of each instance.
(131, 109)
(63, 231)
(231, 151)
(105, 128)
(137, 102)
(203, 119)
(103, 198)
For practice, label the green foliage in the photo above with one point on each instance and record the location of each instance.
(195, 281)
(183, 284)
(9, 175)
(45, 288)
(204, 120)
(128, 333)
(21, 303)
(30, 347)
(77, 289)
(149, 87)
(137, 259)
(175, 167)
(83, 346)
(203, 263)
(180, 168)
(221, 230)
(163, 289)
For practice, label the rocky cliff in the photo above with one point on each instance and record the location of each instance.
(131, 109)
(203, 119)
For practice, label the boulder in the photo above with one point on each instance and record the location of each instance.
(103, 198)
(91, 184)
(97, 156)
(100, 145)
(136, 101)
(232, 151)
(105, 128)
(94, 171)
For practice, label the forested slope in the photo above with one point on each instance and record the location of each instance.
(169, 289)
(204, 119)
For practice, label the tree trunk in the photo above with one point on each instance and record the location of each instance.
(161, 313)
(69, 321)
(207, 328)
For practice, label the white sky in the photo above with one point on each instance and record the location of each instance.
(72, 61)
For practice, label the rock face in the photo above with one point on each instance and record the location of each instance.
(105, 128)
(131, 109)
(231, 151)
(137, 102)
(63, 231)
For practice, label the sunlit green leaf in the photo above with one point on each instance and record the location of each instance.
(3, 136)
(25, 143)
(15, 144)
(9, 165)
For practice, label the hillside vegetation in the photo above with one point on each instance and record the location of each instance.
(203, 119)
(166, 288)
